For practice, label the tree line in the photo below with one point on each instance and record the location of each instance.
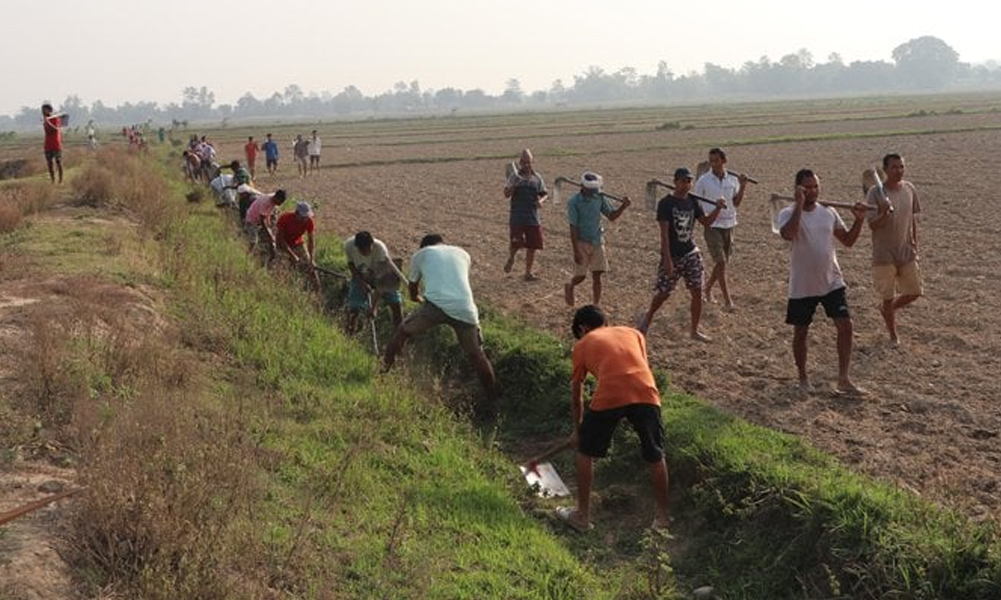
(923, 64)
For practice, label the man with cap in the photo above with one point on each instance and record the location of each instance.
(374, 276)
(716, 183)
(679, 256)
(584, 211)
(289, 231)
(527, 192)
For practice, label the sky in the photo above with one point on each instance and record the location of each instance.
(119, 51)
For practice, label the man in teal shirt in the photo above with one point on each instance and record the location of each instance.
(584, 212)
(443, 273)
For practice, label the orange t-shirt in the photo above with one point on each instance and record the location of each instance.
(616, 356)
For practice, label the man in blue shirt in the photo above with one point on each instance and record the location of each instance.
(584, 212)
(270, 148)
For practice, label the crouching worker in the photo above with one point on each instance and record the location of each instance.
(374, 277)
(443, 272)
(289, 231)
(626, 389)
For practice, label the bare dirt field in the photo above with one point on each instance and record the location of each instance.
(930, 422)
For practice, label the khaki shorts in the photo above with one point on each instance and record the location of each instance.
(594, 259)
(890, 280)
(429, 315)
(719, 243)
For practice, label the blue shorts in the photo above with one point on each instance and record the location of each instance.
(358, 300)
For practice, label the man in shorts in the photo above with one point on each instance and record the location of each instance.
(289, 231)
(300, 152)
(270, 147)
(371, 266)
(617, 358)
(896, 275)
(814, 274)
(527, 192)
(717, 183)
(53, 146)
(250, 149)
(443, 272)
(584, 211)
(679, 256)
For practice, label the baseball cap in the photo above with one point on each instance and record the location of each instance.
(682, 173)
(303, 209)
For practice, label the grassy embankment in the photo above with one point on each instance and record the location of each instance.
(243, 447)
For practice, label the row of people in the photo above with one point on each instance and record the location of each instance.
(305, 153)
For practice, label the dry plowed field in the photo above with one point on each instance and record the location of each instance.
(931, 420)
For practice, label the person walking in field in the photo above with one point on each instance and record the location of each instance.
(527, 192)
(677, 214)
(300, 152)
(250, 149)
(719, 183)
(53, 146)
(584, 211)
(894, 227)
(815, 276)
(442, 271)
(315, 147)
(289, 231)
(370, 264)
(617, 358)
(270, 147)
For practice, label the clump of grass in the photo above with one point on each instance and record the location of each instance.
(21, 200)
(669, 125)
(94, 185)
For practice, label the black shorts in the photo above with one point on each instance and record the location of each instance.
(799, 311)
(271, 162)
(597, 427)
(51, 155)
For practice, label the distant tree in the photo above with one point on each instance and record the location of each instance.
(925, 62)
(293, 95)
(512, 92)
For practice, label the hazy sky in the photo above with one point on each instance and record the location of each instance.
(132, 50)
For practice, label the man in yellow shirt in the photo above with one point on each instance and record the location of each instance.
(626, 389)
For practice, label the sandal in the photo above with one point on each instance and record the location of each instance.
(568, 515)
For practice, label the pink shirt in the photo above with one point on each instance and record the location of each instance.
(261, 207)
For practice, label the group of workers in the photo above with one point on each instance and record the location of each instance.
(616, 356)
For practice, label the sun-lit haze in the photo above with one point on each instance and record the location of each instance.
(119, 51)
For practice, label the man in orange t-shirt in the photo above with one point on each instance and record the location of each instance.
(626, 389)
(53, 127)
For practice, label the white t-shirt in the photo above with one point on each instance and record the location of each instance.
(375, 264)
(221, 182)
(444, 271)
(813, 262)
(314, 146)
(711, 187)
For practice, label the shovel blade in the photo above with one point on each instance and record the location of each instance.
(545, 480)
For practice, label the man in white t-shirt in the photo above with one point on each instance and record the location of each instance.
(713, 185)
(443, 272)
(814, 274)
(373, 274)
(315, 145)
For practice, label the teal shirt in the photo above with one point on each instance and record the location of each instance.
(584, 214)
